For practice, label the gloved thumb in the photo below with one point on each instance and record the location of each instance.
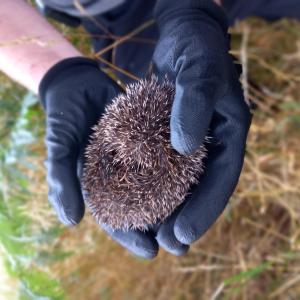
(197, 90)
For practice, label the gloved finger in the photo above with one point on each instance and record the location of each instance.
(223, 166)
(141, 244)
(198, 87)
(64, 135)
(64, 190)
(167, 239)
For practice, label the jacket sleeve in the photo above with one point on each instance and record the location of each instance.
(90, 7)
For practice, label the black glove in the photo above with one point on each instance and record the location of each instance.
(193, 52)
(74, 93)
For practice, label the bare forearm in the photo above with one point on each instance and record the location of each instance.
(29, 45)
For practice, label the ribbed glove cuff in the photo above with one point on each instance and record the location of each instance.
(166, 9)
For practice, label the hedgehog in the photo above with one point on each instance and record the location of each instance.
(133, 177)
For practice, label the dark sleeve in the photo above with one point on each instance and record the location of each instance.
(238, 10)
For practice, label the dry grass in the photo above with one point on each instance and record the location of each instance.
(253, 251)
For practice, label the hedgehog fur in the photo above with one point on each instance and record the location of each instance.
(132, 175)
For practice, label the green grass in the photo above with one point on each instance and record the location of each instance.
(20, 243)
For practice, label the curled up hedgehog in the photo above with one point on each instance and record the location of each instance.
(133, 176)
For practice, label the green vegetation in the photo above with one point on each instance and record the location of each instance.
(20, 240)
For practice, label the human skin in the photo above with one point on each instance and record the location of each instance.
(29, 45)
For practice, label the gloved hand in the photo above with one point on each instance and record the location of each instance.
(74, 93)
(193, 52)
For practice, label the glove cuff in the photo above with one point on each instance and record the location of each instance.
(59, 68)
(166, 8)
